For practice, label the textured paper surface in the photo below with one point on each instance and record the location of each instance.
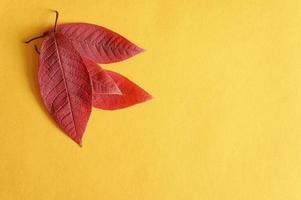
(224, 123)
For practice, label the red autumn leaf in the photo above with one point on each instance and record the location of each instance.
(97, 43)
(102, 83)
(131, 94)
(65, 85)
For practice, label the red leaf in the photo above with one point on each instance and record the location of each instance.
(131, 94)
(65, 85)
(102, 83)
(97, 43)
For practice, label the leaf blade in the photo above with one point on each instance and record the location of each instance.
(98, 43)
(65, 85)
(132, 94)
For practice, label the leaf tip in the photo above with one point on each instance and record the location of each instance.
(79, 141)
(118, 91)
(148, 97)
(140, 50)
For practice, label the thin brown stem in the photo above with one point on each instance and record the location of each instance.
(56, 19)
(35, 38)
(36, 48)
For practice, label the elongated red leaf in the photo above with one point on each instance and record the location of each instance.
(102, 83)
(131, 94)
(97, 43)
(65, 85)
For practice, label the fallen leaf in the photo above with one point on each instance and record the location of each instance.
(97, 43)
(131, 94)
(65, 85)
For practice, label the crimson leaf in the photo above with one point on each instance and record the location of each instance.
(131, 94)
(97, 43)
(65, 85)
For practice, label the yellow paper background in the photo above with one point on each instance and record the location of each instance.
(225, 123)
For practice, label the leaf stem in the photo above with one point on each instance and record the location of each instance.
(32, 39)
(36, 48)
(56, 18)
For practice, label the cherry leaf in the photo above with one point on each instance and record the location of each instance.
(65, 85)
(102, 83)
(131, 94)
(97, 43)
